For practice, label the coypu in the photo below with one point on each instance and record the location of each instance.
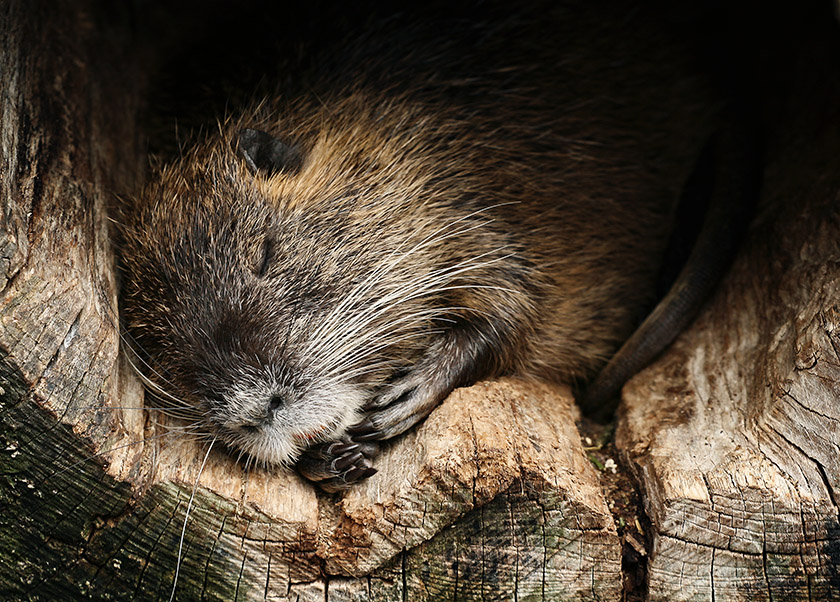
(422, 206)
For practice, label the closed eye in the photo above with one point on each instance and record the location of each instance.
(265, 259)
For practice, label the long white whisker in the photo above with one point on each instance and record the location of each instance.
(58, 473)
(386, 266)
(130, 345)
(155, 388)
(387, 338)
(379, 345)
(385, 305)
(186, 518)
(409, 292)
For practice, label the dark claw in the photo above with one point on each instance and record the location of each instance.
(354, 474)
(370, 450)
(333, 485)
(363, 428)
(341, 449)
(338, 465)
(345, 462)
(373, 435)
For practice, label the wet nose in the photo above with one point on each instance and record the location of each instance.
(274, 403)
(256, 419)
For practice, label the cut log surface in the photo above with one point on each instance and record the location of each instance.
(735, 432)
(485, 499)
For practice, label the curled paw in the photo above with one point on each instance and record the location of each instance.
(337, 465)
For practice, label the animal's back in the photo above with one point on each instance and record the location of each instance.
(573, 128)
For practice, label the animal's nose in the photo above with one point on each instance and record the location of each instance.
(260, 416)
(275, 402)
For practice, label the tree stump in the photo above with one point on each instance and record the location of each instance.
(492, 497)
(735, 433)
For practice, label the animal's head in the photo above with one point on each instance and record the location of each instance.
(265, 304)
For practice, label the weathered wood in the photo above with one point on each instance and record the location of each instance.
(735, 432)
(487, 498)
(58, 342)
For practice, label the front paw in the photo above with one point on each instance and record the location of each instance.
(398, 407)
(403, 404)
(337, 465)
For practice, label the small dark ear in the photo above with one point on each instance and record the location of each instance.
(264, 153)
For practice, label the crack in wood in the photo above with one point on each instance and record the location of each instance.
(117, 549)
(811, 410)
(147, 560)
(710, 547)
(712, 575)
(818, 465)
(216, 541)
(242, 572)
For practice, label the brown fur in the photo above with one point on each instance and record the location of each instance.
(542, 157)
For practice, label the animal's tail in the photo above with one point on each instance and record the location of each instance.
(729, 172)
